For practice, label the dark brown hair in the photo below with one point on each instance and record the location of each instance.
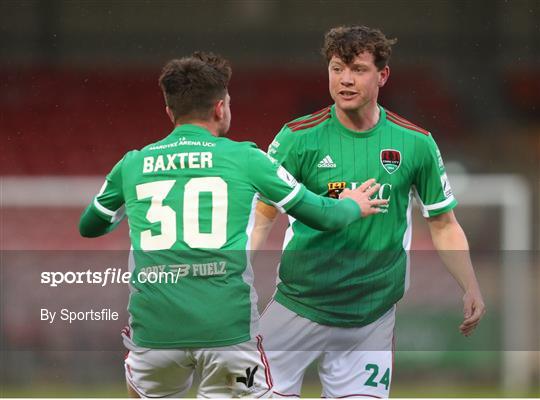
(192, 85)
(346, 42)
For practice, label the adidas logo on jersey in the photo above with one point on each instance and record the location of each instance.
(327, 162)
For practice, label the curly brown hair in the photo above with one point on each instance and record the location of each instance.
(192, 85)
(346, 42)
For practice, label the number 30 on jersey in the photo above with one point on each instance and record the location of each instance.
(166, 215)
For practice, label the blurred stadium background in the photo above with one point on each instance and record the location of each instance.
(79, 89)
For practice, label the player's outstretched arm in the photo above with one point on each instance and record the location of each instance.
(450, 241)
(92, 223)
(107, 208)
(328, 214)
(320, 212)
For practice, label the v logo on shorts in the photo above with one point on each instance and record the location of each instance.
(250, 376)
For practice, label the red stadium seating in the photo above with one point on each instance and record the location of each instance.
(72, 122)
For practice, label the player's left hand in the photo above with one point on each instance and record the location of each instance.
(473, 310)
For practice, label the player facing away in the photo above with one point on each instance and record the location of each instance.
(190, 200)
(336, 293)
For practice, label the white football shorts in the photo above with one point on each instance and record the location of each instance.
(233, 371)
(352, 362)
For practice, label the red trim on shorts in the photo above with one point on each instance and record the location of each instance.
(286, 395)
(129, 370)
(393, 348)
(267, 373)
(126, 330)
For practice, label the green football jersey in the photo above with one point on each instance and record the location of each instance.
(352, 276)
(190, 201)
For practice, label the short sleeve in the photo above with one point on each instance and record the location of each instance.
(272, 181)
(283, 149)
(434, 192)
(110, 200)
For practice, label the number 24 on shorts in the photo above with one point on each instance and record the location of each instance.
(372, 380)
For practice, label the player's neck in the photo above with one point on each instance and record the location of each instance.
(208, 125)
(359, 120)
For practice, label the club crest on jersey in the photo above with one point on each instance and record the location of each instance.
(390, 160)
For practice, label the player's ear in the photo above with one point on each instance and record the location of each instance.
(170, 114)
(383, 76)
(219, 110)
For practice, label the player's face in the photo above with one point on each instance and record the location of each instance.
(354, 85)
(224, 116)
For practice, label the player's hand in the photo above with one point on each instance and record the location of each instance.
(362, 196)
(473, 310)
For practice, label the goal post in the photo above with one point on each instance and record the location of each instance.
(512, 194)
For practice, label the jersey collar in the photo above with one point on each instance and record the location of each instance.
(363, 134)
(190, 129)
